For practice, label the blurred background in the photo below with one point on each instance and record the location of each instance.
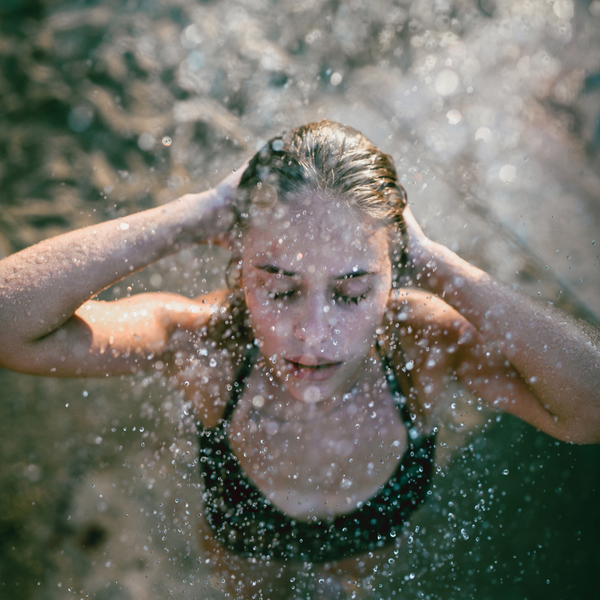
(491, 111)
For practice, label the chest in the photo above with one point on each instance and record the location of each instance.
(323, 467)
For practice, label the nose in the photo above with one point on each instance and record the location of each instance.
(312, 324)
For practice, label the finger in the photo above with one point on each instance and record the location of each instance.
(229, 185)
(234, 177)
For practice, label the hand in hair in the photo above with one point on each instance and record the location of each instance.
(515, 357)
(421, 253)
(221, 214)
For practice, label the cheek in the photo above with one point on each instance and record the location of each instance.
(359, 323)
(363, 322)
(268, 318)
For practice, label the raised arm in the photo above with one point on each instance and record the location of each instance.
(47, 325)
(517, 353)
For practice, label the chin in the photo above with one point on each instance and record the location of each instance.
(313, 392)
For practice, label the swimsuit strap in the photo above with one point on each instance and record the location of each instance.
(395, 388)
(238, 386)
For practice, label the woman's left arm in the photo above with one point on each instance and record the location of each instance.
(517, 353)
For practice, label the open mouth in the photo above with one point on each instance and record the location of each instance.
(319, 371)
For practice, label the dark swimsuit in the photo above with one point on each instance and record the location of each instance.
(248, 524)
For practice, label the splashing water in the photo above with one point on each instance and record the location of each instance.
(118, 106)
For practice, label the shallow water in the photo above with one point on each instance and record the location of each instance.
(490, 110)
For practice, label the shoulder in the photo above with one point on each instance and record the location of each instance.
(422, 338)
(217, 317)
(207, 355)
(415, 314)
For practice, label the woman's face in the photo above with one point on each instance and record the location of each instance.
(317, 280)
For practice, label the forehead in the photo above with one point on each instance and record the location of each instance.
(312, 231)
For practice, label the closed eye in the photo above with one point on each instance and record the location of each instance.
(349, 300)
(284, 295)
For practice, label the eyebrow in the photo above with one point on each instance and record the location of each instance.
(277, 271)
(353, 274)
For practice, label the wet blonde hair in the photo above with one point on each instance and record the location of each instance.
(333, 161)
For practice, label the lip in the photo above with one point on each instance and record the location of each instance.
(320, 369)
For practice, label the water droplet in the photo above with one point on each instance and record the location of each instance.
(454, 117)
(80, 118)
(446, 82)
(32, 472)
(312, 394)
(167, 141)
(564, 9)
(212, 362)
(483, 133)
(505, 472)
(335, 79)
(258, 401)
(271, 427)
(345, 483)
(146, 142)
(508, 173)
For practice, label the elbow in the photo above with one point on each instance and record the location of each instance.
(590, 434)
(577, 421)
(577, 430)
(578, 438)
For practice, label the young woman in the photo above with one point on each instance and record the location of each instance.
(319, 378)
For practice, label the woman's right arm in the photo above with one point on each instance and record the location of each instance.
(47, 325)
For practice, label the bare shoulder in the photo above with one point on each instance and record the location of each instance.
(221, 327)
(424, 334)
(205, 360)
(416, 316)
(196, 318)
(423, 309)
